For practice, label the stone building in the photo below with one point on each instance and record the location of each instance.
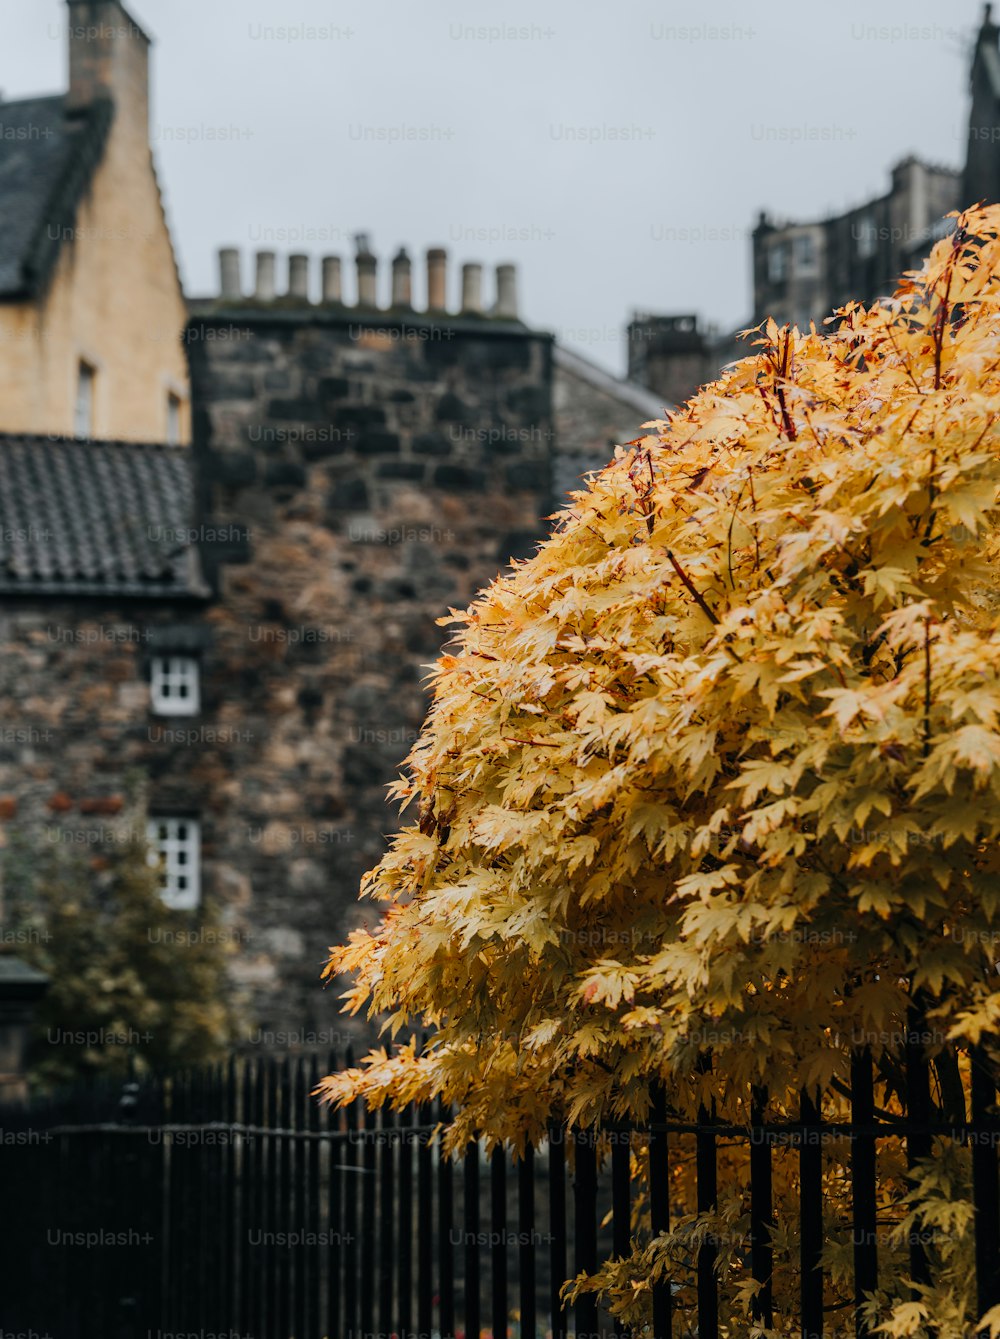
(247, 623)
(91, 307)
(672, 354)
(232, 625)
(803, 271)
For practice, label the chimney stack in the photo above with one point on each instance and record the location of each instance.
(506, 304)
(331, 279)
(298, 277)
(366, 263)
(230, 284)
(402, 285)
(472, 290)
(108, 58)
(437, 260)
(265, 277)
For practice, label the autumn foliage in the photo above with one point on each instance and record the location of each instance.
(718, 769)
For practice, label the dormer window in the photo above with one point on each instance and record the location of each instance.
(175, 686)
(175, 851)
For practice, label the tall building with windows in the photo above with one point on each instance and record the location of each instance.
(91, 307)
(802, 271)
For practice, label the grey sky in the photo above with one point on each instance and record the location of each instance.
(590, 134)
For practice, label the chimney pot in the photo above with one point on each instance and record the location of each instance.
(437, 261)
(332, 291)
(366, 264)
(402, 283)
(506, 304)
(298, 277)
(230, 284)
(472, 289)
(265, 276)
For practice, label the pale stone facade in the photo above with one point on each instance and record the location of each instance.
(95, 283)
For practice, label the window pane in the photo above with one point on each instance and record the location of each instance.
(177, 843)
(84, 411)
(174, 685)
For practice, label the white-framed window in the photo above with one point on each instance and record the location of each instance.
(175, 687)
(175, 850)
(777, 262)
(173, 419)
(83, 411)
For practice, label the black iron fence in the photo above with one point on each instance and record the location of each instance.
(228, 1202)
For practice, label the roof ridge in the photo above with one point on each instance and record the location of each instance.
(642, 398)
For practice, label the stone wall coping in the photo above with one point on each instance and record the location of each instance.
(209, 311)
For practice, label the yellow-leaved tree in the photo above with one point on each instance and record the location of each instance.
(718, 770)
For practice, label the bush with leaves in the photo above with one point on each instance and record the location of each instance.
(719, 768)
(127, 973)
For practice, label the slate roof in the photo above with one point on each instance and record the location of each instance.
(97, 518)
(47, 160)
(638, 399)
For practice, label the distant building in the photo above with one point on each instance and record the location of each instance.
(672, 355)
(91, 307)
(804, 271)
(981, 179)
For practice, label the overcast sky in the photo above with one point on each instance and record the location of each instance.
(618, 153)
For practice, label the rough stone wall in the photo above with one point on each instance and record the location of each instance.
(265, 773)
(383, 471)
